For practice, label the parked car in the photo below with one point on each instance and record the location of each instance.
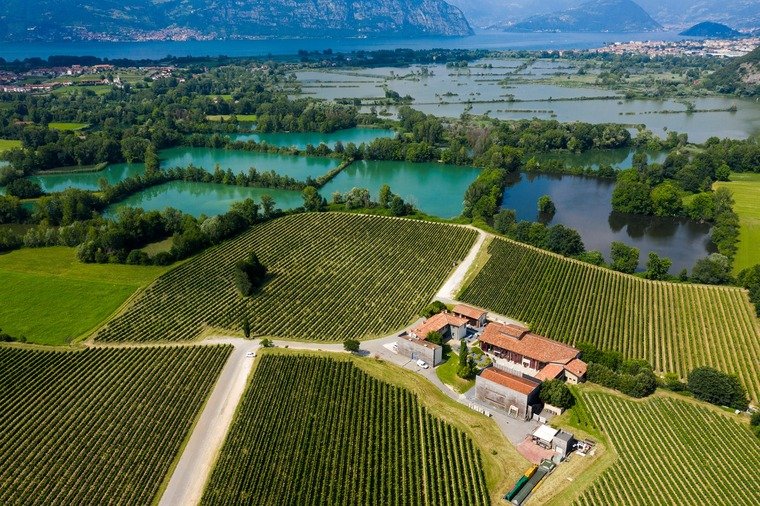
(422, 364)
(250, 354)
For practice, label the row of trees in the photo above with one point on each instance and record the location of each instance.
(607, 368)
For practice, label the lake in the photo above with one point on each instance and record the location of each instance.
(300, 140)
(88, 180)
(434, 188)
(203, 198)
(621, 158)
(585, 205)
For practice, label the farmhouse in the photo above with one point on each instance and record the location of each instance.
(517, 348)
(475, 317)
(419, 349)
(447, 324)
(512, 393)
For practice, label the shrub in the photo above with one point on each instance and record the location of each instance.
(249, 274)
(433, 308)
(351, 345)
(716, 387)
(556, 393)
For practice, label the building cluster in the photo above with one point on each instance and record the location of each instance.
(82, 75)
(521, 360)
(707, 47)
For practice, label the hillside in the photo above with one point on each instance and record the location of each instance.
(594, 16)
(711, 30)
(225, 19)
(740, 76)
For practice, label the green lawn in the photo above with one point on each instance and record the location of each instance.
(51, 298)
(67, 126)
(447, 373)
(226, 117)
(6, 144)
(746, 189)
(98, 89)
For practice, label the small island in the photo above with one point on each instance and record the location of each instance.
(712, 30)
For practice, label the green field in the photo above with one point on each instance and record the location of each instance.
(676, 327)
(243, 118)
(746, 190)
(6, 144)
(49, 297)
(332, 276)
(100, 426)
(314, 430)
(67, 126)
(672, 451)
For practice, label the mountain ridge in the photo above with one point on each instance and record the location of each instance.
(124, 20)
(592, 16)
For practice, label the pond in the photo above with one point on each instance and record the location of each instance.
(203, 198)
(88, 180)
(621, 158)
(300, 140)
(434, 188)
(584, 204)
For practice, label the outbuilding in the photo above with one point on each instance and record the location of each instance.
(515, 395)
(419, 349)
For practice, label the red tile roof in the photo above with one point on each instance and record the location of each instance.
(505, 379)
(468, 311)
(519, 340)
(437, 323)
(577, 367)
(550, 372)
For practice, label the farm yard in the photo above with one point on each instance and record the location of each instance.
(676, 327)
(50, 298)
(331, 277)
(97, 426)
(314, 430)
(672, 451)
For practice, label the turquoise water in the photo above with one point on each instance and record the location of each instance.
(299, 140)
(434, 188)
(203, 198)
(88, 180)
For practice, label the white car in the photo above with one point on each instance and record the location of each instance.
(422, 364)
(250, 354)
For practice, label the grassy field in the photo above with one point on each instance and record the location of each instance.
(354, 438)
(447, 373)
(100, 426)
(672, 451)
(746, 190)
(331, 276)
(6, 144)
(51, 298)
(243, 118)
(67, 126)
(676, 327)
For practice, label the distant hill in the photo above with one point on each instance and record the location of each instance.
(711, 30)
(739, 75)
(51, 20)
(593, 16)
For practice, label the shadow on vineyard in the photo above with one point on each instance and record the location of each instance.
(331, 276)
(314, 430)
(675, 327)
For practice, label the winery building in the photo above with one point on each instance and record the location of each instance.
(516, 395)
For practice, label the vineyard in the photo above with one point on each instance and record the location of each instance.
(672, 451)
(313, 430)
(331, 277)
(676, 327)
(100, 426)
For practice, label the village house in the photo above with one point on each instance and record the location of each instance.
(475, 317)
(446, 324)
(515, 347)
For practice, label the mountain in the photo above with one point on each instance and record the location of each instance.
(225, 19)
(738, 75)
(741, 14)
(711, 30)
(593, 16)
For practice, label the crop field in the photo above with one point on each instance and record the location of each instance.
(6, 144)
(49, 297)
(672, 451)
(331, 277)
(313, 430)
(746, 188)
(67, 126)
(100, 426)
(676, 327)
(243, 118)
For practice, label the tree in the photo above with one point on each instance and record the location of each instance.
(433, 308)
(312, 200)
(556, 393)
(749, 278)
(267, 205)
(504, 220)
(713, 270)
(385, 196)
(657, 267)
(667, 200)
(152, 163)
(249, 274)
(463, 353)
(624, 258)
(546, 207)
(267, 343)
(717, 387)
(357, 198)
(351, 345)
(24, 189)
(246, 326)
(434, 337)
(466, 369)
(565, 241)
